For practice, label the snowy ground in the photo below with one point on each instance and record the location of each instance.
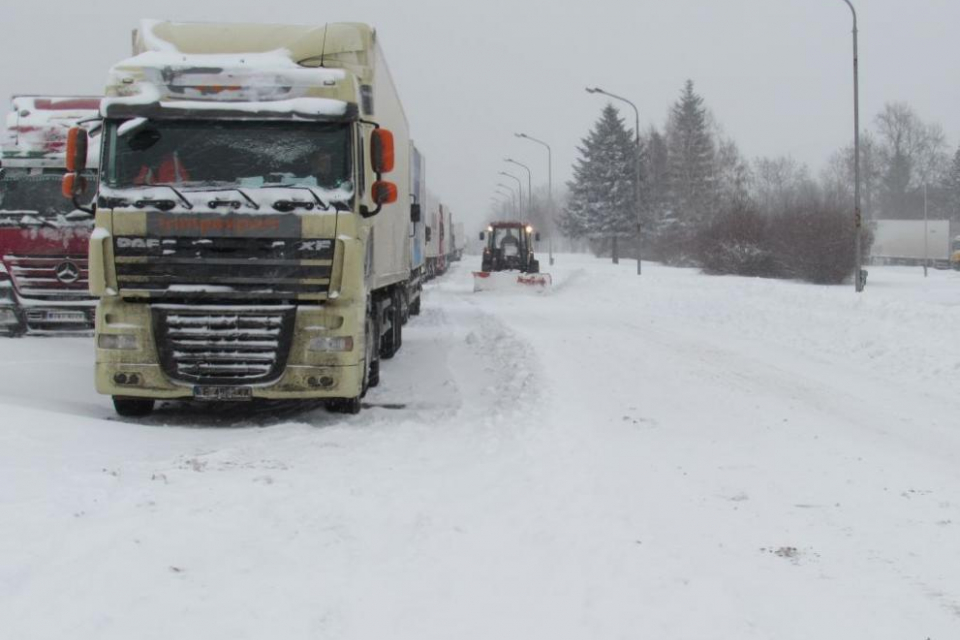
(674, 456)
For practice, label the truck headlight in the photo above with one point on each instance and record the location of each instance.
(124, 341)
(331, 345)
(8, 316)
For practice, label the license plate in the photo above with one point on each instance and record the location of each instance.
(66, 316)
(222, 393)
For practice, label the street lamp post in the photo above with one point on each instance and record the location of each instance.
(529, 182)
(520, 187)
(858, 280)
(636, 185)
(502, 205)
(549, 188)
(513, 197)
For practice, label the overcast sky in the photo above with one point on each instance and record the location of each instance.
(776, 73)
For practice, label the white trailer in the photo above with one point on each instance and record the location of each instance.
(910, 242)
(436, 262)
(459, 240)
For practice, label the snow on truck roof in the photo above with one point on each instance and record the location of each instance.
(306, 71)
(37, 127)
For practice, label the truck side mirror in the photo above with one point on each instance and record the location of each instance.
(482, 236)
(384, 192)
(536, 236)
(427, 232)
(415, 213)
(77, 150)
(73, 186)
(382, 155)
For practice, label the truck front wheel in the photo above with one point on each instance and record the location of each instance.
(132, 407)
(350, 406)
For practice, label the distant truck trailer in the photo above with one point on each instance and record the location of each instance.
(911, 242)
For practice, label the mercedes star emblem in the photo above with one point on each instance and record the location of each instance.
(68, 273)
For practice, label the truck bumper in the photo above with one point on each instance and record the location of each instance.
(43, 318)
(135, 366)
(297, 383)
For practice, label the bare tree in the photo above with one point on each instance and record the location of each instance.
(912, 153)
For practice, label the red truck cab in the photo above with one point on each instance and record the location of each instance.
(43, 237)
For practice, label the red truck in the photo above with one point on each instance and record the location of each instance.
(43, 237)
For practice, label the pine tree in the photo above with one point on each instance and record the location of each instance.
(656, 189)
(601, 204)
(693, 170)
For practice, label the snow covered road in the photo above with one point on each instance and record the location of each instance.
(671, 456)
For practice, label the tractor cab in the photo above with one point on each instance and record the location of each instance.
(508, 261)
(509, 247)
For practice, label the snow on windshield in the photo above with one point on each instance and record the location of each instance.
(243, 154)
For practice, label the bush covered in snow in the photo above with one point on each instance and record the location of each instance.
(811, 240)
(815, 242)
(739, 241)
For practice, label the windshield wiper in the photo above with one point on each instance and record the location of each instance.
(249, 200)
(285, 206)
(186, 203)
(316, 198)
(163, 205)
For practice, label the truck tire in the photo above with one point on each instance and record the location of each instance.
(415, 307)
(349, 406)
(132, 407)
(372, 358)
(391, 341)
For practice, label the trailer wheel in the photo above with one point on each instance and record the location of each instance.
(415, 307)
(132, 407)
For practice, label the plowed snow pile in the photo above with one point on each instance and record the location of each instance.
(671, 456)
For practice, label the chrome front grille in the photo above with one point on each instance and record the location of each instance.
(213, 346)
(62, 278)
(232, 269)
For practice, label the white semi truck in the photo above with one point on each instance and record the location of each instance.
(253, 217)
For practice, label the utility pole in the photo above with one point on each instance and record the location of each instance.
(549, 189)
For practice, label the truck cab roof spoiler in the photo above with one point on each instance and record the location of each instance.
(299, 109)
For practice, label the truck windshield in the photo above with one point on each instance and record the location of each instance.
(227, 153)
(34, 193)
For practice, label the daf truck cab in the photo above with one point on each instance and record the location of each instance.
(253, 216)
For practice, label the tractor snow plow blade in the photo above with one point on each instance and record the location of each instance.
(511, 281)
